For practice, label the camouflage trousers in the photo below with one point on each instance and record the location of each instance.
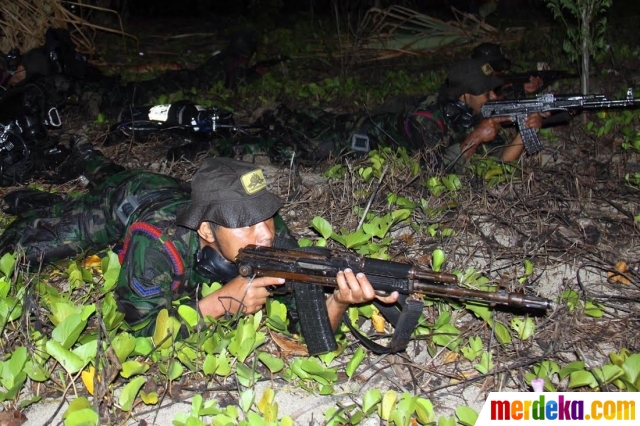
(89, 222)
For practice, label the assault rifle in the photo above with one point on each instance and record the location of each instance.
(519, 109)
(517, 80)
(301, 268)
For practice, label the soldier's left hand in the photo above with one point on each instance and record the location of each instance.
(356, 289)
(534, 120)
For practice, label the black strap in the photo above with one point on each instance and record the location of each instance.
(405, 322)
(130, 204)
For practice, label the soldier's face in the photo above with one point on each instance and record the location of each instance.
(476, 101)
(229, 241)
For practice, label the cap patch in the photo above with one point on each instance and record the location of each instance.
(487, 69)
(253, 181)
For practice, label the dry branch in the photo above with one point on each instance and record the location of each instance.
(398, 31)
(23, 24)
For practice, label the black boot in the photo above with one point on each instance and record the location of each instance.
(22, 201)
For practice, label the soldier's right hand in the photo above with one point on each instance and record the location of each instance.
(241, 294)
(488, 129)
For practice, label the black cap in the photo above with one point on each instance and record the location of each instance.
(229, 193)
(492, 53)
(471, 76)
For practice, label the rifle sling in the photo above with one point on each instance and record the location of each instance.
(405, 323)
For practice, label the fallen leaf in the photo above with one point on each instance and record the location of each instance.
(92, 261)
(288, 346)
(378, 322)
(12, 418)
(87, 378)
(621, 267)
(450, 357)
(463, 376)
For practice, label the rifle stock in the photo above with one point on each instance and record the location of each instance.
(519, 109)
(548, 77)
(385, 276)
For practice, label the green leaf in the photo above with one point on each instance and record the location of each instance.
(175, 371)
(150, 398)
(447, 336)
(110, 271)
(246, 399)
(243, 341)
(370, 399)
(474, 349)
(486, 363)
(166, 330)
(144, 346)
(255, 419)
(443, 319)
(80, 413)
(277, 315)
(525, 328)
(111, 316)
(87, 352)
(446, 421)
(223, 364)
(209, 365)
(424, 411)
(36, 372)
(437, 259)
(355, 361)
(5, 286)
(631, 367)
(356, 239)
(310, 369)
(592, 310)
(502, 333)
(452, 182)
(189, 315)
(129, 393)
(581, 378)
(403, 202)
(16, 363)
(388, 403)
(570, 368)
(61, 310)
(246, 376)
(467, 416)
(69, 360)
(123, 345)
(322, 226)
(133, 368)
(528, 267)
(7, 263)
(273, 363)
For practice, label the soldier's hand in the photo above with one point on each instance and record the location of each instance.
(488, 129)
(356, 288)
(534, 120)
(241, 294)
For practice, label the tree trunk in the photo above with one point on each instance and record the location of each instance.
(584, 30)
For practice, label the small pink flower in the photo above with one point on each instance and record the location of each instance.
(537, 385)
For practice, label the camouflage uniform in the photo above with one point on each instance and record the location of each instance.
(106, 216)
(415, 125)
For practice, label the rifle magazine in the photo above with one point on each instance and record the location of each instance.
(314, 319)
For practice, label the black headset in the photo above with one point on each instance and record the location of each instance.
(458, 112)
